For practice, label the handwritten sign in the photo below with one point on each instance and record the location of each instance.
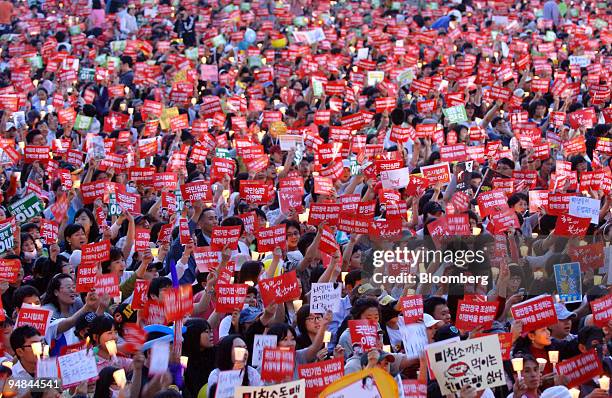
(324, 297)
(77, 367)
(476, 362)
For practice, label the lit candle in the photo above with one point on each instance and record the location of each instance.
(517, 365)
(76, 184)
(250, 283)
(343, 276)
(120, 379)
(254, 255)
(184, 361)
(553, 357)
(534, 235)
(154, 251)
(126, 90)
(575, 393)
(604, 383)
(111, 347)
(130, 111)
(476, 231)
(542, 362)
(387, 348)
(37, 349)
(46, 351)
(297, 304)
(597, 279)
(327, 337)
(524, 251)
(194, 101)
(8, 364)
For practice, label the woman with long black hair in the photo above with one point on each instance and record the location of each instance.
(198, 346)
(226, 360)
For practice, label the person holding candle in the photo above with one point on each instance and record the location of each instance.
(27, 344)
(527, 379)
(199, 348)
(104, 337)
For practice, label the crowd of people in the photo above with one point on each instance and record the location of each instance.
(200, 196)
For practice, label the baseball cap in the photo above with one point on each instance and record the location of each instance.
(381, 355)
(430, 321)
(446, 332)
(249, 314)
(367, 288)
(84, 321)
(563, 313)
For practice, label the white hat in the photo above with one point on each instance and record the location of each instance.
(429, 320)
(556, 392)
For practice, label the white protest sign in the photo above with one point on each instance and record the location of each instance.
(395, 179)
(262, 341)
(290, 142)
(580, 206)
(292, 389)
(477, 362)
(227, 383)
(375, 76)
(309, 36)
(160, 356)
(581, 60)
(324, 297)
(76, 367)
(363, 53)
(414, 337)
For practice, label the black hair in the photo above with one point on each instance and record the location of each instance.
(250, 271)
(19, 336)
(352, 277)
(100, 325)
(430, 304)
(49, 297)
(157, 284)
(94, 230)
(72, 229)
(115, 254)
(281, 330)
(104, 382)
(361, 305)
(224, 356)
(22, 292)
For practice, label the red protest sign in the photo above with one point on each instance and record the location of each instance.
(225, 236)
(491, 202)
(205, 258)
(277, 364)
(134, 336)
(255, 192)
(34, 153)
(108, 284)
(270, 238)
(49, 231)
(178, 303)
(320, 212)
(9, 269)
(95, 252)
(93, 190)
(141, 241)
(589, 256)
(280, 289)
(412, 308)
(558, 203)
(414, 389)
(535, 313)
(364, 332)
(37, 317)
(602, 311)
(184, 233)
(328, 242)
(197, 190)
(141, 288)
(129, 202)
(230, 297)
(471, 314)
(571, 226)
(580, 369)
(319, 375)
(86, 277)
(437, 173)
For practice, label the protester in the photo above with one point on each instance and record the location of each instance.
(368, 198)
